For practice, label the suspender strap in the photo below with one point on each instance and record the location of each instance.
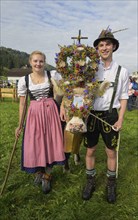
(27, 80)
(49, 75)
(115, 88)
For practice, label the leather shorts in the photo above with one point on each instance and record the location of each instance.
(95, 127)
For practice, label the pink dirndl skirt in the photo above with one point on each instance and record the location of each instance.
(43, 137)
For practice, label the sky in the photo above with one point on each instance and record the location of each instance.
(28, 25)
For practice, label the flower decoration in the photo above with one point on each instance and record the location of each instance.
(77, 65)
(77, 62)
(78, 101)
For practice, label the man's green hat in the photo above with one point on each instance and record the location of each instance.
(105, 35)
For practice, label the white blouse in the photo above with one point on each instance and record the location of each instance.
(38, 90)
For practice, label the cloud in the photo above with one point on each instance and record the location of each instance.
(41, 24)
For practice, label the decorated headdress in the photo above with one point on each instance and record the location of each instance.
(78, 64)
(107, 34)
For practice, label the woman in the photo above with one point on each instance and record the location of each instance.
(43, 139)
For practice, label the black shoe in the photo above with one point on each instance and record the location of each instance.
(66, 168)
(89, 188)
(111, 190)
(46, 183)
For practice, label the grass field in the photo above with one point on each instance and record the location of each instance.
(21, 200)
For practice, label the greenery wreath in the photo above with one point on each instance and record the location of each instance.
(78, 65)
(77, 62)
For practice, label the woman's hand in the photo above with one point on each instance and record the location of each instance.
(62, 113)
(18, 131)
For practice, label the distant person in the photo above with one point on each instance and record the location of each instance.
(16, 84)
(134, 83)
(110, 108)
(8, 84)
(130, 95)
(42, 146)
(135, 88)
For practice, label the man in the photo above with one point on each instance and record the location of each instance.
(106, 110)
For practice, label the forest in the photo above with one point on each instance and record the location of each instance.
(10, 58)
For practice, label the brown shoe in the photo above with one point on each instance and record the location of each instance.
(38, 178)
(46, 183)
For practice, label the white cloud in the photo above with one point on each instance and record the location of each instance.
(41, 24)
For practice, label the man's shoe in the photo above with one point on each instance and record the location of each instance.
(111, 190)
(38, 178)
(46, 183)
(89, 188)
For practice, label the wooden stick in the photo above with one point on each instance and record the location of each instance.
(15, 144)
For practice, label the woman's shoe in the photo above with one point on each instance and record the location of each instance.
(66, 168)
(38, 178)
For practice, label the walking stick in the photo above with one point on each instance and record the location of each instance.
(15, 143)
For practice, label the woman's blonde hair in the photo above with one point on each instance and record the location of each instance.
(37, 52)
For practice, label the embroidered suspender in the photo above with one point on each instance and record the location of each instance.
(115, 88)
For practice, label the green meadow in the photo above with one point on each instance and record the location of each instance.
(21, 200)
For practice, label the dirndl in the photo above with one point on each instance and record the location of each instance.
(43, 137)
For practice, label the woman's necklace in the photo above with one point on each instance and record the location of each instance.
(37, 79)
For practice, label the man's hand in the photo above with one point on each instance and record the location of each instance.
(118, 125)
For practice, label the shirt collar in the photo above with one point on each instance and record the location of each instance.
(107, 68)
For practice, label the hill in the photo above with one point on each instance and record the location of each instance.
(10, 58)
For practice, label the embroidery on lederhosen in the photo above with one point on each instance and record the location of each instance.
(106, 128)
(90, 127)
(85, 141)
(114, 141)
(91, 123)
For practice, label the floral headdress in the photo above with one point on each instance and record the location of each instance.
(77, 64)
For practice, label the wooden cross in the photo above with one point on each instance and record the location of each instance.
(79, 37)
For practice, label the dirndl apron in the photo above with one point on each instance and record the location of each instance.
(43, 136)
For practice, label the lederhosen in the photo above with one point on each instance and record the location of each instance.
(96, 127)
